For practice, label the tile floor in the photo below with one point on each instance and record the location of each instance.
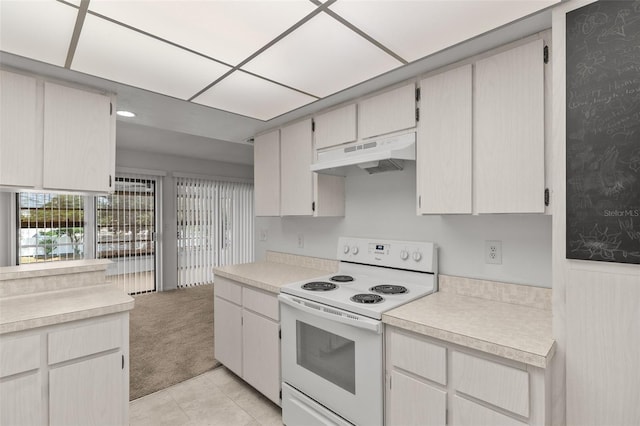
(216, 398)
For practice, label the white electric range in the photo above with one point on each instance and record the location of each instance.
(332, 324)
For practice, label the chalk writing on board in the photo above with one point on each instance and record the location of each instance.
(603, 132)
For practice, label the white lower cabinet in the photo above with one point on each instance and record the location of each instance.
(247, 334)
(261, 354)
(432, 382)
(227, 329)
(79, 370)
(94, 386)
(413, 402)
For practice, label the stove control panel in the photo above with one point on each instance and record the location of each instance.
(412, 255)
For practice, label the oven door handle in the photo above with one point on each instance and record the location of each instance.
(332, 314)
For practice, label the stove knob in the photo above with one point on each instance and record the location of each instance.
(404, 255)
(346, 249)
(354, 250)
(417, 256)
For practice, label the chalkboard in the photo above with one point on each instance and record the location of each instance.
(603, 132)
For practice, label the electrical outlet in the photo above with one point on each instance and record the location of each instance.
(493, 252)
(300, 240)
(263, 235)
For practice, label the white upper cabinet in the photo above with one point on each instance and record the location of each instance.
(444, 145)
(55, 137)
(336, 127)
(509, 131)
(18, 130)
(79, 144)
(388, 112)
(304, 193)
(296, 178)
(266, 160)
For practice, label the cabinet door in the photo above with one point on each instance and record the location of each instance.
(335, 127)
(296, 177)
(443, 151)
(509, 131)
(414, 403)
(261, 354)
(388, 112)
(21, 400)
(20, 156)
(90, 392)
(227, 331)
(79, 150)
(266, 160)
(467, 413)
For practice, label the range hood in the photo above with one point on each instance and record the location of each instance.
(373, 155)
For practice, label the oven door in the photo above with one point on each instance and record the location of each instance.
(334, 357)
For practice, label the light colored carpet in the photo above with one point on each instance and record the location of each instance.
(171, 338)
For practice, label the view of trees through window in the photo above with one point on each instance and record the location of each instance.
(51, 227)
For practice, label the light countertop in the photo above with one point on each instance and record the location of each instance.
(53, 307)
(44, 269)
(513, 331)
(269, 276)
(38, 295)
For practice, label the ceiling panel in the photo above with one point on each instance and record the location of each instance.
(254, 97)
(229, 31)
(415, 29)
(116, 53)
(322, 57)
(39, 30)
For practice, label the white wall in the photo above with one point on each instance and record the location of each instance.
(383, 205)
(172, 164)
(5, 228)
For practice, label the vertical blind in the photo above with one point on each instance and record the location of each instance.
(125, 233)
(215, 227)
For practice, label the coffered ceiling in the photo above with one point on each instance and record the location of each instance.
(254, 60)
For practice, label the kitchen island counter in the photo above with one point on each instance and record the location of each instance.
(506, 320)
(47, 294)
(277, 270)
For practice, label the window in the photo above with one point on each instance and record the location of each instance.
(51, 227)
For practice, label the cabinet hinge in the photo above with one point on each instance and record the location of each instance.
(110, 108)
(546, 196)
(313, 126)
(313, 206)
(280, 394)
(123, 361)
(280, 334)
(417, 94)
(417, 114)
(545, 54)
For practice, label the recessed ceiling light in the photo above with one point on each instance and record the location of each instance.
(128, 114)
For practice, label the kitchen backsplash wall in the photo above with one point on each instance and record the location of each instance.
(383, 205)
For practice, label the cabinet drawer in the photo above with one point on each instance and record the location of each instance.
(419, 357)
(228, 290)
(84, 340)
(262, 303)
(467, 413)
(19, 354)
(497, 384)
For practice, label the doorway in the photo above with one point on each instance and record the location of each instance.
(126, 223)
